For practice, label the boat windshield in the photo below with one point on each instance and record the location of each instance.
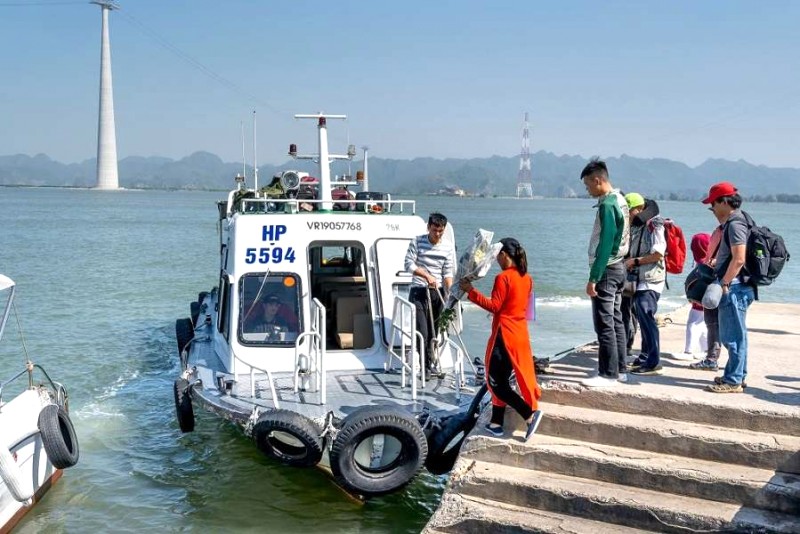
(270, 308)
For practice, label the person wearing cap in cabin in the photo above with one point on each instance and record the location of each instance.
(265, 318)
(646, 267)
(430, 259)
(509, 346)
(736, 295)
(608, 246)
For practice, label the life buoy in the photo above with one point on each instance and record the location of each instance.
(183, 405)
(377, 450)
(445, 443)
(288, 437)
(184, 332)
(58, 437)
(11, 475)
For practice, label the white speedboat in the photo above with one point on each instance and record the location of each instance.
(37, 439)
(308, 342)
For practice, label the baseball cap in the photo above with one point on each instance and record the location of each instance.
(722, 189)
(634, 200)
(272, 298)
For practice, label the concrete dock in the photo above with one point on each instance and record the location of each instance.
(657, 454)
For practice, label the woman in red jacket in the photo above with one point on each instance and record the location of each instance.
(509, 346)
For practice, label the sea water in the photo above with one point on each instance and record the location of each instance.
(102, 276)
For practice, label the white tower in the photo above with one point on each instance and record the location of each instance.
(524, 180)
(107, 174)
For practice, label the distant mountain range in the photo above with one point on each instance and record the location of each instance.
(553, 176)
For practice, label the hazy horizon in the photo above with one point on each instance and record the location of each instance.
(683, 81)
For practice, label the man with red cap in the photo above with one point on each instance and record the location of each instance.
(737, 294)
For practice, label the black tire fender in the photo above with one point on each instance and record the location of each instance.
(403, 451)
(194, 311)
(184, 333)
(58, 436)
(288, 437)
(183, 405)
(445, 443)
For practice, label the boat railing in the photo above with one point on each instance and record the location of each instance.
(253, 370)
(404, 336)
(312, 363)
(57, 388)
(296, 205)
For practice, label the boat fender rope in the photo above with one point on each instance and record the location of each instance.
(251, 421)
(329, 430)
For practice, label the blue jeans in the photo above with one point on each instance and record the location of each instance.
(607, 318)
(733, 330)
(646, 305)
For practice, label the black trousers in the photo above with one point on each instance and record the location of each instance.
(426, 320)
(607, 316)
(500, 369)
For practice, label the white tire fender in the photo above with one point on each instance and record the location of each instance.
(11, 474)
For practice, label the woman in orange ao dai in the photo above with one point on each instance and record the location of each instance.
(509, 346)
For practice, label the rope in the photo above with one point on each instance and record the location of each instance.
(21, 334)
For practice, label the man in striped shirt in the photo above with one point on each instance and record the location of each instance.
(430, 259)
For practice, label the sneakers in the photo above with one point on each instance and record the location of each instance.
(685, 356)
(623, 377)
(533, 425)
(496, 431)
(704, 365)
(599, 382)
(724, 387)
(718, 380)
(647, 370)
(638, 362)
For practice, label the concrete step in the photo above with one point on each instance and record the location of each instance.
(611, 503)
(716, 410)
(473, 515)
(694, 440)
(681, 475)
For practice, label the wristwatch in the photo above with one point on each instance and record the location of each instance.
(636, 261)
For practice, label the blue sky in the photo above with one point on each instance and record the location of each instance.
(685, 80)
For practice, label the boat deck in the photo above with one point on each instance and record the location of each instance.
(346, 391)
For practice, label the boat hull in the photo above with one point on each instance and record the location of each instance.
(30, 466)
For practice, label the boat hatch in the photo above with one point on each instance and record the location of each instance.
(338, 279)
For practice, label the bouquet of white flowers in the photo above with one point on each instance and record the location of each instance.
(473, 265)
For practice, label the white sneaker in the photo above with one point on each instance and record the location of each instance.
(623, 377)
(685, 356)
(599, 382)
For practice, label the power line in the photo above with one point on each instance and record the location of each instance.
(26, 4)
(198, 65)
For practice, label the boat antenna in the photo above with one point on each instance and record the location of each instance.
(255, 155)
(324, 156)
(244, 158)
(365, 183)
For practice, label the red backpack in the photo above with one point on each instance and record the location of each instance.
(675, 256)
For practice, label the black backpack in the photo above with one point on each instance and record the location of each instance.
(766, 253)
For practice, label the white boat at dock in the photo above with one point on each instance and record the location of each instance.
(335, 380)
(37, 439)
